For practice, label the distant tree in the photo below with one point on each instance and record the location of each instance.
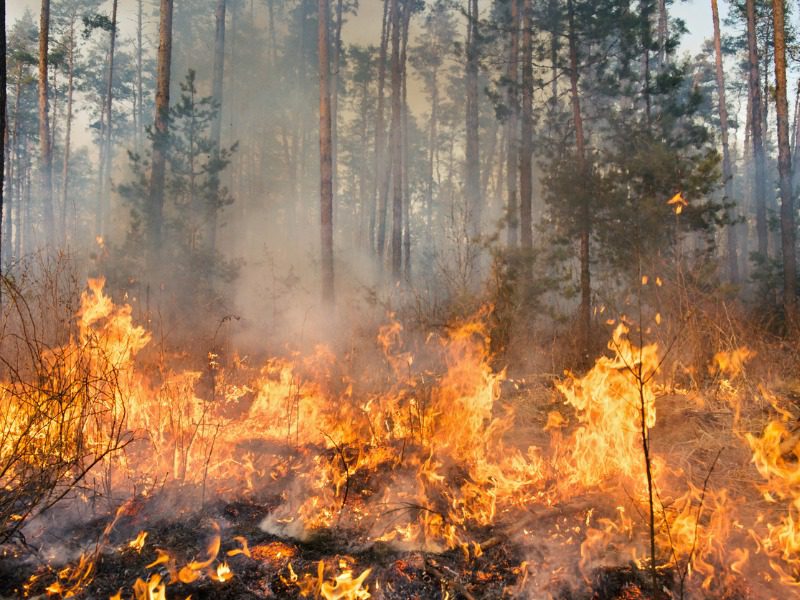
(582, 171)
(382, 167)
(396, 144)
(160, 136)
(325, 158)
(45, 147)
(193, 167)
(66, 15)
(788, 230)
(216, 92)
(526, 132)
(3, 131)
(472, 177)
(21, 57)
(727, 169)
(512, 127)
(429, 57)
(756, 132)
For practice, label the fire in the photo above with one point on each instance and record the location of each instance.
(342, 587)
(613, 402)
(223, 573)
(138, 543)
(775, 455)
(731, 363)
(152, 589)
(416, 452)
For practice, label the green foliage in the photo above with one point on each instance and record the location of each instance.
(648, 138)
(193, 200)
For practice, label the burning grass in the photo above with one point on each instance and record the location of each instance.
(426, 473)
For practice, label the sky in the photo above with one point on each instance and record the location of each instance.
(696, 14)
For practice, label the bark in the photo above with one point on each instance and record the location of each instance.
(4, 131)
(272, 39)
(432, 146)
(45, 149)
(325, 158)
(646, 40)
(161, 134)
(788, 233)
(662, 32)
(512, 126)
(555, 46)
(15, 175)
(526, 149)
(585, 224)
(216, 126)
(68, 132)
(472, 180)
(727, 171)
(139, 92)
(396, 145)
(106, 154)
(756, 133)
(404, 144)
(337, 60)
(379, 189)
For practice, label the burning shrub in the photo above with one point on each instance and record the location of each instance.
(62, 408)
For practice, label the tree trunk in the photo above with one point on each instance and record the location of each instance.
(432, 146)
(526, 149)
(756, 133)
(325, 158)
(105, 177)
(788, 233)
(380, 154)
(662, 32)
(216, 127)
(161, 135)
(337, 60)
(585, 224)
(68, 132)
(472, 180)
(407, 7)
(45, 150)
(4, 132)
(512, 126)
(139, 92)
(727, 171)
(396, 146)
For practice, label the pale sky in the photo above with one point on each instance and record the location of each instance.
(697, 15)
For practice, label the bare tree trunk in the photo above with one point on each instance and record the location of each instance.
(396, 146)
(756, 133)
(472, 181)
(585, 225)
(512, 125)
(788, 233)
(337, 60)
(526, 149)
(4, 131)
(161, 134)
(139, 73)
(45, 150)
(103, 200)
(381, 167)
(216, 127)
(325, 158)
(727, 171)
(432, 145)
(14, 177)
(407, 7)
(662, 32)
(68, 133)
